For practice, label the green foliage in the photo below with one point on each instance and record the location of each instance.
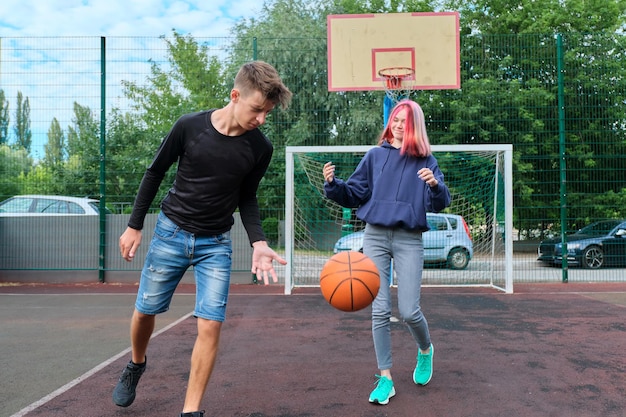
(54, 149)
(4, 119)
(23, 134)
(608, 205)
(130, 148)
(270, 228)
(191, 82)
(382, 6)
(40, 180)
(14, 164)
(82, 171)
(538, 16)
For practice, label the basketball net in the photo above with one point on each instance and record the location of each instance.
(397, 83)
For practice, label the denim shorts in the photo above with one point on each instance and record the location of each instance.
(172, 251)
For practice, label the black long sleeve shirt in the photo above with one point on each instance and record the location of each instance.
(216, 174)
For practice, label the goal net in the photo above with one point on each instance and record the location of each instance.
(479, 178)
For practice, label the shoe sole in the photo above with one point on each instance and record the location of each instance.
(125, 404)
(391, 394)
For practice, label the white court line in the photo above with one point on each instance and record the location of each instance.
(89, 373)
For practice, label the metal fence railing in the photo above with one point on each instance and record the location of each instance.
(82, 116)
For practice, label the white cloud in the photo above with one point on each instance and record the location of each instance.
(200, 18)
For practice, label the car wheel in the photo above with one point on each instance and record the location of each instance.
(458, 258)
(593, 257)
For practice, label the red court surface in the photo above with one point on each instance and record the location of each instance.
(547, 350)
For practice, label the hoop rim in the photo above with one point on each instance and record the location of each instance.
(397, 81)
(403, 72)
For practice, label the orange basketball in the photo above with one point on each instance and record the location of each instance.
(349, 281)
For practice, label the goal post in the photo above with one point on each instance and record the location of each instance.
(479, 178)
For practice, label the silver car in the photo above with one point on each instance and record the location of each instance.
(447, 242)
(48, 205)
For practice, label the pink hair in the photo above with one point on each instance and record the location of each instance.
(415, 141)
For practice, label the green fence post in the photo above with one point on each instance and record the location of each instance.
(255, 53)
(346, 227)
(103, 218)
(562, 166)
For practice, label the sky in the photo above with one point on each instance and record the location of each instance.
(200, 18)
(41, 63)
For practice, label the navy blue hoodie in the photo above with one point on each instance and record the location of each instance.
(388, 192)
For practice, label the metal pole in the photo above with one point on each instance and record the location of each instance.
(103, 218)
(562, 167)
(289, 219)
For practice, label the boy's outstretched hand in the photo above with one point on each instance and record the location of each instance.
(262, 262)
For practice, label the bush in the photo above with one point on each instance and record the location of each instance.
(270, 227)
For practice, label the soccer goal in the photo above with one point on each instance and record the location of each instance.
(480, 181)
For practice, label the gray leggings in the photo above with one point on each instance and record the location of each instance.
(381, 244)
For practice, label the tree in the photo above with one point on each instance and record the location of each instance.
(55, 148)
(538, 16)
(82, 171)
(192, 82)
(14, 163)
(41, 180)
(381, 6)
(130, 148)
(4, 119)
(23, 134)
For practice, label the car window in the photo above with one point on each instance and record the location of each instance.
(96, 207)
(437, 223)
(16, 205)
(453, 222)
(600, 228)
(74, 208)
(58, 206)
(43, 205)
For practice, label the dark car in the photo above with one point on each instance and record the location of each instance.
(594, 246)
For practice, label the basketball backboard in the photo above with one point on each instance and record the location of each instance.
(359, 45)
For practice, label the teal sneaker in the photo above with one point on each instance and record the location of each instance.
(424, 368)
(383, 391)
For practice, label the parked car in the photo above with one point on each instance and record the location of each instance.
(48, 205)
(599, 244)
(447, 242)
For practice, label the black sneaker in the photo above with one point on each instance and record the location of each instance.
(124, 392)
(194, 414)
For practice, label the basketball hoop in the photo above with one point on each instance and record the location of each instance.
(397, 82)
